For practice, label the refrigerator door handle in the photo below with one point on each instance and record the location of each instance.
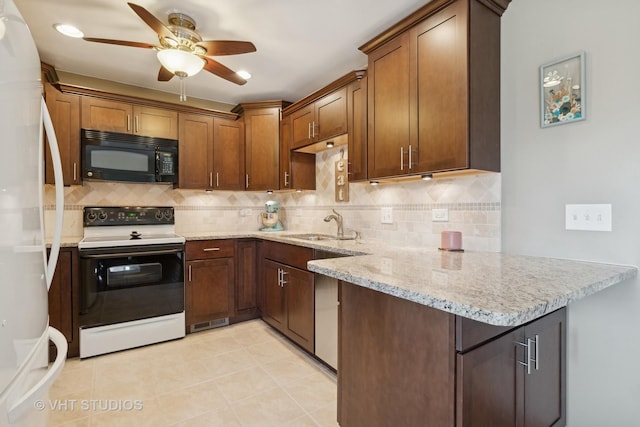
(59, 185)
(26, 403)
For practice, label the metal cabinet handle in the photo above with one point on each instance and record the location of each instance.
(537, 358)
(75, 171)
(246, 181)
(309, 130)
(210, 179)
(313, 129)
(401, 158)
(217, 179)
(128, 122)
(279, 277)
(409, 156)
(527, 363)
(189, 269)
(137, 124)
(211, 249)
(284, 282)
(286, 180)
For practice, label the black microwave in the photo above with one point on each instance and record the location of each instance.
(110, 156)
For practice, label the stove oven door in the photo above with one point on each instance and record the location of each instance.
(130, 283)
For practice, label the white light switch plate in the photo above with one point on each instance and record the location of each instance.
(386, 215)
(588, 217)
(440, 215)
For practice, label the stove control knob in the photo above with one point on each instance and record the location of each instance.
(91, 216)
(168, 214)
(102, 216)
(158, 214)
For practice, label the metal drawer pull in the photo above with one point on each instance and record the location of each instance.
(401, 158)
(537, 344)
(529, 359)
(211, 249)
(189, 272)
(284, 282)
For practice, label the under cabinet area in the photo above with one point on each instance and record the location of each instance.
(288, 292)
(209, 283)
(403, 363)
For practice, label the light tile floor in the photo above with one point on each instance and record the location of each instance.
(240, 375)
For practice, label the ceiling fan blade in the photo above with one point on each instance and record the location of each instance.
(164, 75)
(226, 47)
(220, 70)
(120, 42)
(153, 22)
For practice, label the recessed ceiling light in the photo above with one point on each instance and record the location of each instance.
(69, 30)
(244, 74)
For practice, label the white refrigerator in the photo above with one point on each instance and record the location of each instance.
(25, 275)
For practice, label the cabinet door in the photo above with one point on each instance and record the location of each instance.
(285, 153)
(330, 115)
(490, 383)
(196, 151)
(209, 290)
(544, 394)
(228, 154)
(60, 302)
(262, 127)
(389, 100)
(299, 291)
(440, 43)
(357, 142)
(246, 285)
(156, 122)
(110, 116)
(274, 308)
(301, 127)
(65, 116)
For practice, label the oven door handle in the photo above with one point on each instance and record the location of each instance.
(127, 254)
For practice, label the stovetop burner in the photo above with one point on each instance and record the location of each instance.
(128, 226)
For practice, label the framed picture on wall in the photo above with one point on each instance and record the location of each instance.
(562, 91)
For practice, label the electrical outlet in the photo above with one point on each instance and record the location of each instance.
(245, 212)
(386, 215)
(588, 217)
(440, 215)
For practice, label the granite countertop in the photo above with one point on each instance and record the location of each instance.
(494, 288)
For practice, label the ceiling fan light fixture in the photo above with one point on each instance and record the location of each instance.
(69, 30)
(180, 62)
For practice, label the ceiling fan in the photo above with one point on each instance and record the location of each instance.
(182, 52)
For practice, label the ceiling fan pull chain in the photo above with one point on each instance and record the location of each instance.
(183, 90)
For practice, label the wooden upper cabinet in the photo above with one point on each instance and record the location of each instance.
(228, 154)
(442, 91)
(122, 117)
(297, 170)
(211, 153)
(262, 144)
(158, 122)
(357, 123)
(325, 118)
(64, 109)
(434, 92)
(195, 145)
(389, 107)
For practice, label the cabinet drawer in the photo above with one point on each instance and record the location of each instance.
(295, 256)
(205, 249)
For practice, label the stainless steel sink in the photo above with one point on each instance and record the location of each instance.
(313, 236)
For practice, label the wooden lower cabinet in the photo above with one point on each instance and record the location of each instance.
(246, 302)
(210, 281)
(288, 292)
(402, 363)
(63, 299)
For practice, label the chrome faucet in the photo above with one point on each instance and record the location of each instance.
(338, 218)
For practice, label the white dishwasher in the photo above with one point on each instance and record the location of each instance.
(326, 313)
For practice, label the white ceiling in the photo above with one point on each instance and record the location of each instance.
(301, 44)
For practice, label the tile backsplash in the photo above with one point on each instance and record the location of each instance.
(473, 203)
